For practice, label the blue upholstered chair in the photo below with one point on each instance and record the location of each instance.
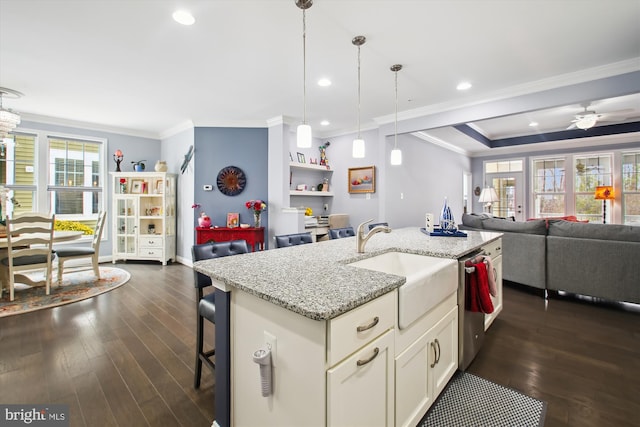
(377, 224)
(206, 304)
(339, 233)
(285, 240)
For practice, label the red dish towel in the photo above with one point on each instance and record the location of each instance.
(478, 298)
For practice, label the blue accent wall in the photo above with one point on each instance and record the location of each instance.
(216, 148)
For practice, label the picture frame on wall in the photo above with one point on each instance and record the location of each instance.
(301, 158)
(362, 180)
(233, 219)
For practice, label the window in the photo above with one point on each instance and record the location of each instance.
(75, 184)
(549, 187)
(18, 173)
(590, 172)
(631, 188)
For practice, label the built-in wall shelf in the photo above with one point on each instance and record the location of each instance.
(306, 166)
(311, 193)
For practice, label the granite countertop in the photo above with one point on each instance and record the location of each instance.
(315, 281)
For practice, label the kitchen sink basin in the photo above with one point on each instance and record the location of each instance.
(429, 281)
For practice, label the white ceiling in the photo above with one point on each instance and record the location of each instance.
(128, 65)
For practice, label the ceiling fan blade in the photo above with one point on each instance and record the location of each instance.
(573, 126)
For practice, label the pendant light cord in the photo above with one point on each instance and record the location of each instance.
(395, 143)
(358, 91)
(304, 66)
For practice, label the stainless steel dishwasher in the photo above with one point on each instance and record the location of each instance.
(470, 324)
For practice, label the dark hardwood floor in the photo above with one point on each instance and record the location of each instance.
(126, 358)
(582, 358)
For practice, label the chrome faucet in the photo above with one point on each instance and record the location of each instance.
(362, 238)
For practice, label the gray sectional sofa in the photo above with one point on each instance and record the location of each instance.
(598, 260)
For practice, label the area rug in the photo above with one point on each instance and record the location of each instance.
(76, 286)
(469, 400)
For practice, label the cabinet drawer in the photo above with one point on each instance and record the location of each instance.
(150, 252)
(354, 329)
(150, 242)
(493, 249)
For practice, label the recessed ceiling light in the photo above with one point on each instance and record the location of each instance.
(533, 124)
(324, 82)
(463, 86)
(325, 123)
(183, 17)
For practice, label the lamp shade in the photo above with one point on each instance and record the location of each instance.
(396, 157)
(488, 195)
(587, 121)
(604, 192)
(358, 148)
(304, 136)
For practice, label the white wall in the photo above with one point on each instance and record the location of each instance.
(172, 150)
(428, 174)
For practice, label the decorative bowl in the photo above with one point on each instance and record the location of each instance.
(244, 225)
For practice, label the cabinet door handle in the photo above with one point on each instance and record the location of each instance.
(435, 355)
(369, 326)
(365, 361)
(439, 352)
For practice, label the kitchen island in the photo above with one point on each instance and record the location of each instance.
(299, 300)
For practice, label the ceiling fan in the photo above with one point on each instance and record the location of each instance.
(588, 118)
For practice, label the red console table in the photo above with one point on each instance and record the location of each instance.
(253, 236)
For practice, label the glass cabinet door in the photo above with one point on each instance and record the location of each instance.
(126, 228)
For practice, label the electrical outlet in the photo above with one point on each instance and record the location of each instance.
(325, 207)
(271, 342)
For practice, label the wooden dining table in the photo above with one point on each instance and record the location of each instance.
(58, 236)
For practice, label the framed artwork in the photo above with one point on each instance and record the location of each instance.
(160, 186)
(301, 158)
(362, 180)
(136, 186)
(290, 157)
(233, 219)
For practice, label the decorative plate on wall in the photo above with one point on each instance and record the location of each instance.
(231, 180)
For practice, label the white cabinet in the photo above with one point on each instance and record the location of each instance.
(311, 176)
(144, 216)
(360, 388)
(494, 250)
(424, 368)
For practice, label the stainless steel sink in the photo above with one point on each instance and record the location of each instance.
(429, 281)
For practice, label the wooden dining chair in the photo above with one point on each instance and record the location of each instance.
(29, 247)
(65, 253)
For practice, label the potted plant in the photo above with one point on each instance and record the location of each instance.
(138, 166)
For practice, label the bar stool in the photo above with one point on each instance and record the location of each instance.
(206, 304)
(339, 233)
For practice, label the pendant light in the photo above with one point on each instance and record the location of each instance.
(9, 119)
(358, 143)
(304, 130)
(396, 154)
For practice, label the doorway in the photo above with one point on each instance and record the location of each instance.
(510, 195)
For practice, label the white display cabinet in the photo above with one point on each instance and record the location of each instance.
(144, 216)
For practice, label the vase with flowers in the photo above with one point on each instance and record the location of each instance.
(257, 206)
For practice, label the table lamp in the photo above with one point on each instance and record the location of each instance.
(604, 193)
(488, 196)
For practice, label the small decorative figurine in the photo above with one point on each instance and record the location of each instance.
(323, 154)
(117, 157)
